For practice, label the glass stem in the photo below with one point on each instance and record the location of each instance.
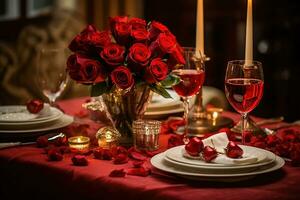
(244, 121)
(186, 118)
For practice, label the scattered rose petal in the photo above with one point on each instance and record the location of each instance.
(117, 173)
(42, 141)
(137, 163)
(137, 156)
(102, 154)
(80, 160)
(60, 141)
(54, 155)
(121, 158)
(119, 150)
(141, 171)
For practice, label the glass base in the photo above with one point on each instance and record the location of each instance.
(250, 126)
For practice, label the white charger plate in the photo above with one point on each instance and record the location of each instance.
(176, 155)
(160, 163)
(63, 121)
(18, 115)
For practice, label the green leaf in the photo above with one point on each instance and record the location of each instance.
(160, 90)
(99, 89)
(170, 81)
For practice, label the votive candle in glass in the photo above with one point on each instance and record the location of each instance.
(79, 142)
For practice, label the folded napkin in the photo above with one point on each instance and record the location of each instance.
(219, 142)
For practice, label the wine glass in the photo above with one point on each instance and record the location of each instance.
(244, 87)
(51, 72)
(191, 76)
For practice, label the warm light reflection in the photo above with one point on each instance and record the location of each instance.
(79, 142)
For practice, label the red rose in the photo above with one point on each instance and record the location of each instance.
(54, 155)
(140, 35)
(156, 28)
(138, 57)
(35, 106)
(85, 70)
(165, 43)
(120, 29)
(113, 54)
(90, 40)
(156, 71)
(137, 23)
(122, 77)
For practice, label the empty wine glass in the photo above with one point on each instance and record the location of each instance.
(244, 87)
(51, 72)
(191, 80)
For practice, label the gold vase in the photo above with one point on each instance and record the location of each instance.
(126, 106)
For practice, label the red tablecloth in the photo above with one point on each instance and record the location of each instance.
(25, 172)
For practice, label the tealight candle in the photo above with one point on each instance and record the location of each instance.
(79, 142)
(214, 113)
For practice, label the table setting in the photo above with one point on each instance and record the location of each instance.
(139, 136)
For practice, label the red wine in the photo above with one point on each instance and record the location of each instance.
(191, 81)
(244, 94)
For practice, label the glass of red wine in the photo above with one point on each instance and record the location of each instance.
(244, 83)
(191, 76)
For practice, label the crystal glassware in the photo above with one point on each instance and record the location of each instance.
(244, 87)
(191, 80)
(51, 72)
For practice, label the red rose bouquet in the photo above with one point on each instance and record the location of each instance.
(129, 54)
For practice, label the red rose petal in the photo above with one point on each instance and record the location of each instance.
(80, 160)
(137, 163)
(137, 156)
(54, 155)
(117, 173)
(102, 154)
(141, 171)
(121, 158)
(42, 141)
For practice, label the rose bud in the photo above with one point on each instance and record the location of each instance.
(54, 155)
(156, 28)
(80, 160)
(117, 173)
(209, 153)
(42, 141)
(194, 147)
(34, 106)
(233, 150)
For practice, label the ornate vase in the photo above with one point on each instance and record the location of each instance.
(124, 107)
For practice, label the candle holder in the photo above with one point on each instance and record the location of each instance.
(80, 143)
(108, 137)
(146, 134)
(200, 120)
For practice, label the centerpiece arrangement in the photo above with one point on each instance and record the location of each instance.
(124, 64)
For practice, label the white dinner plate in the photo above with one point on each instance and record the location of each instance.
(160, 163)
(63, 121)
(176, 155)
(18, 115)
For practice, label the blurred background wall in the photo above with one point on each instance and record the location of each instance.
(27, 24)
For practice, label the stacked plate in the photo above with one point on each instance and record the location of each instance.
(161, 107)
(174, 161)
(17, 121)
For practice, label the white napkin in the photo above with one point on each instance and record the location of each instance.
(219, 142)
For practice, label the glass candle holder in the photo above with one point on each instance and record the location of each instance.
(146, 134)
(79, 142)
(108, 137)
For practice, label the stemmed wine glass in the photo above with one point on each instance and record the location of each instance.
(244, 87)
(191, 80)
(51, 72)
